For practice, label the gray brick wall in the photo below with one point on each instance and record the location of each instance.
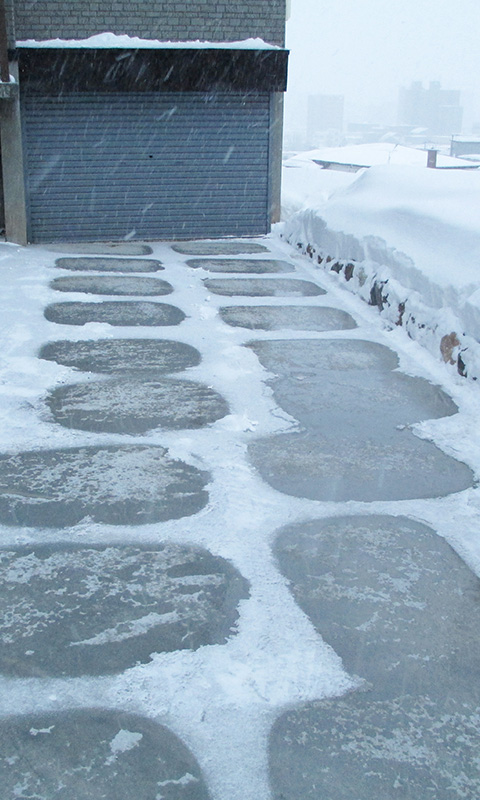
(9, 19)
(174, 20)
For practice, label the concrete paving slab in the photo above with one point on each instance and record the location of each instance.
(136, 406)
(339, 469)
(368, 402)
(346, 391)
(112, 284)
(127, 356)
(70, 611)
(258, 266)
(116, 312)
(300, 318)
(306, 357)
(360, 748)
(258, 287)
(227, 247)
(118, 485)
(401, 609)
(392, 598)
(102, 248)
(93, 754)
(109, 264)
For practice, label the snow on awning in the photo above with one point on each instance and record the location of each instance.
(112, 40)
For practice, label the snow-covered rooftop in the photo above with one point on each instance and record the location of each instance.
(372, 155)
(466, 138)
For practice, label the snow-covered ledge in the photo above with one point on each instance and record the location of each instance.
(8, 90)
(422, 269)
(112, 40)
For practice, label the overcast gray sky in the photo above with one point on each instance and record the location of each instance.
(366, 49)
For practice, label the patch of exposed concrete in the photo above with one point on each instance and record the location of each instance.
(271, 318)
(118, 485)
(69, 611)
(116, 312)
(258, 266)
(307, 356)
(330, 397)
(112, 284)
(365, 403)
(358, 748)
(95, 753)
(393, 600)
(333, 468)
(103, 248)
(135, 406)
(128, 356)
(402, 610)
(258, 287)
(228, 247)
(109, 264)
(356, 444)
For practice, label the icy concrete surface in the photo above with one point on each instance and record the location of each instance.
(96, 754)
(259, 287)
(103, 248)
(122, 355)
(122, 265)
(240, 265)
(330, 398)
(220, 248)
(363, 748)
(355, 443)
(56, 488)
(117, 312)
(371, 586)
(295, 318)
(340, 468)
(90, 611)
(136, 406)
(116, 285)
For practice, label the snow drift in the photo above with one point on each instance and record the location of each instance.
(406, 238)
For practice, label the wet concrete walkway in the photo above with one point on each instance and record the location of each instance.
(190, 609)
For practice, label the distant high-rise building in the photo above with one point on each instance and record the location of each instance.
(436, 109)
(325, 113)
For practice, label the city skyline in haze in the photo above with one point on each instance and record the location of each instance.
(366, 50)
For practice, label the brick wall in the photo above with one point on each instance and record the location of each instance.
(174, 20)
(9, 18)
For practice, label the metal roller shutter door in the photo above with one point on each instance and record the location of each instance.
(146, 165)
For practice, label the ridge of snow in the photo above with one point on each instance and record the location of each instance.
(410, 233)
(112, 40)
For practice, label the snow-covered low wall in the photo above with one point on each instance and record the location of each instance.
(434, 291)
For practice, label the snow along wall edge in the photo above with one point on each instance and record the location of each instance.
(371, 276)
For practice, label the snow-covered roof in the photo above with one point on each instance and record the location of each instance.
(374, 155)
(469, 139)
(112, 40)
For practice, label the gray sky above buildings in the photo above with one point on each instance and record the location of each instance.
(367, 49)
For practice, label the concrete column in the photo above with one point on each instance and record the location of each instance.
(276, 146)
(12, 168)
